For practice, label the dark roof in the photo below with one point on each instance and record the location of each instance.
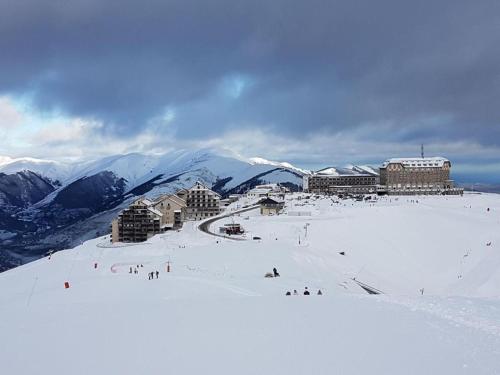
(269, 201)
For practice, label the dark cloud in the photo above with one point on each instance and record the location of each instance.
(400, 70)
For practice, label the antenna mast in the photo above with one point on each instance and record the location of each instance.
(422, 150)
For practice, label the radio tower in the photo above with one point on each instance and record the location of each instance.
(422, 150)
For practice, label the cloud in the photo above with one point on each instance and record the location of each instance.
(10, 115)
(385, 75)
(65, 131)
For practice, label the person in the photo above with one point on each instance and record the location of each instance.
(306, 291)
(319, 292)
(295, 293)
(157, 273)
(130, 270)
(275, 272)
(288, 293)
(135, 271)
(150, 275)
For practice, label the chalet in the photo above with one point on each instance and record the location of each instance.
(270, 206)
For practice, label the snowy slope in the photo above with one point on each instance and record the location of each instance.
(258, 160)
(46, 168)
(216, 313)
(84, 192)
(137, 168)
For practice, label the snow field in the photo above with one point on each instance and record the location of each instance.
(215, 313)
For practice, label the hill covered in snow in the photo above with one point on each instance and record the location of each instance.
(436, 261)
(46, 205)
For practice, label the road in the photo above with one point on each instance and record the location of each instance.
(205, 226)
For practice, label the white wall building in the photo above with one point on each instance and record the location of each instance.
(201, 202)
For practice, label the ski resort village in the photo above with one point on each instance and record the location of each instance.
(196, 263)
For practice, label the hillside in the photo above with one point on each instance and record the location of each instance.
(215, 312)
(47, 205)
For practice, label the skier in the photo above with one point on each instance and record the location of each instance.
(130, 270)
(275, 272)
(295, 293)
(157, 273)
(306, 291)
(319, 292)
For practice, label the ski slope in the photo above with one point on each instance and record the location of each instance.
(216, 313)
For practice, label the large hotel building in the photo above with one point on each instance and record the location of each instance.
(397, 176)
(354, 180)
(410, 176)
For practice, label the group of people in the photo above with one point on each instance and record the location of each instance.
(136, 269)
(306, 292)
(152, 274)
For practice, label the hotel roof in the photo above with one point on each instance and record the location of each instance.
(436, 161)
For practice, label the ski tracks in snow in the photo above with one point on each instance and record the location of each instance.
(218, 284)
(483, 315)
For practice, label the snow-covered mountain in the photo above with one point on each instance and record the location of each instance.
(50, 205)
(51, 169)
(257, 160)
(349, 170)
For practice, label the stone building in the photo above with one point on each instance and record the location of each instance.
(353, 180)
(201, 202)
(410, 176)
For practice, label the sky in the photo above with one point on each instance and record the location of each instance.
(314, 83)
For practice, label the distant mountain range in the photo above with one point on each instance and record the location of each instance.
(481, 187)
(47, 205)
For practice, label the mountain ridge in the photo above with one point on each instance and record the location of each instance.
(78, 196)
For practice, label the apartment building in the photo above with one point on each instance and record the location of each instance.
(144, 218)
(201, 202)
(137, 223)
(173, 209)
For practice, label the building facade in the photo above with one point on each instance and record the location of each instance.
(137, 223)
(268, 190)
(173, 209)
(411, 176)
(201, 202)
(144, 218)
(354, 180)
(270, 206)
